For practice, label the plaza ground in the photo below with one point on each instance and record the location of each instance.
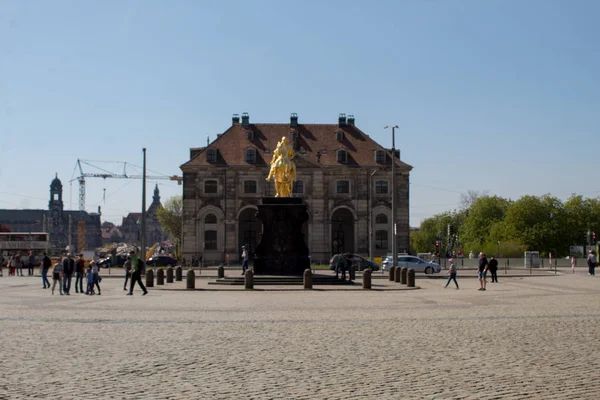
(525, 337)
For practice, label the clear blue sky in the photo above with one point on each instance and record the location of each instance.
(502, 96)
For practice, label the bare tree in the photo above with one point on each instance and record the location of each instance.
(467, 199)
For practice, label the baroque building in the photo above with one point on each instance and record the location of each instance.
(342, 175)
(82, 227)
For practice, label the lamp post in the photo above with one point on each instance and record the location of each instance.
(143, 233)
(394, 241)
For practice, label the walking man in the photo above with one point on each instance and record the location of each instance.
(96, 274)
(482, 271)
(244, 260)
(18, 264)
(79, 274)
(136, 276)
(127, 271)
(46, 264)
(30, 263)
(57, 275)
(452, 273)
(68, 269)
(494, 269)
(591, 261)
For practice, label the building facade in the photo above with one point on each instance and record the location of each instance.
(131, 225)
(79, 229)
(342, 175)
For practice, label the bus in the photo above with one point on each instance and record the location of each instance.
(23, 242)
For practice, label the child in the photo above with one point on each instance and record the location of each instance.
(452, 272)
(90, 281)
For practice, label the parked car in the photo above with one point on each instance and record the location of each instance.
(161, 260)
(107, 262)
(357, 260)
(413, 262)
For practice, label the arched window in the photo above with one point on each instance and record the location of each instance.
(342, 156)
(210, 187)
(210, 240)
(210, 219)
(381, 240)
(381, 219)
(250, 156)
(381, 187)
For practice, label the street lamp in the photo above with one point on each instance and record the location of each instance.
(394, 241)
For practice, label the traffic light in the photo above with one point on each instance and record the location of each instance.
(449, 229)
(437, 243)
(593, 237)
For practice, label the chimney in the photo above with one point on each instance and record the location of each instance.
(294, 120)
(245, 120)
(342, 120)
(235, 119)
(351, 120)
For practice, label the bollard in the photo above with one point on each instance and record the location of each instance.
(190, 280)
(178, 274)
(308, 279)
(410, 278)
(221, 272)
(367, 278)
(170, 275)
(403, 277)
(160, 277)
(397, 274)
(149, 278)
(391, 276)
(249, 279)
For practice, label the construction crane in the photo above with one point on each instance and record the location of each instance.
(103, 173)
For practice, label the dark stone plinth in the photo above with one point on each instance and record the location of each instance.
(282, 249)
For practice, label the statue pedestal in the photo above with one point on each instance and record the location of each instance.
(282, 249)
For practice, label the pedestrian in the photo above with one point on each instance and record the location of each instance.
(244, 259)
(46, 264)
(482, 271)
(68, 269)
(18, 263)
(11, 265)
(57, 276)
(591, 261)
(79, 273)
(471, 255)
(127, 271)
(347, 267)
(90, 281)
(30, 263)
(1, 263)
(452, 273)
(493, 267)
(136, 275)
(97, 277)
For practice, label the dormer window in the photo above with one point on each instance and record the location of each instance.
(251, 156)
(379, 156)
(342, 156)
(211, 155)
(339, 136)
(250, 135)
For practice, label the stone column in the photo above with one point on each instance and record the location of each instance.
(160, 277)
(190, 280)
(367, 279)
(221, 272)
(178, 274)
(410, 278)
(249, 279)
(391, 273)
(150, 278)
(308, 279)
(170, 275)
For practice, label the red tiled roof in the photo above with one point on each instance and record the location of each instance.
(231, 146)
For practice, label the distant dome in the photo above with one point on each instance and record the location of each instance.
(56, 182)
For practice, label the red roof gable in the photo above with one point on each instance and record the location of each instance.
(312, 140)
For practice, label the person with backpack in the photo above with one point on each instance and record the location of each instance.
(136, 275)
(46, 264)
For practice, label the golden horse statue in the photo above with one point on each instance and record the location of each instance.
(283, 169)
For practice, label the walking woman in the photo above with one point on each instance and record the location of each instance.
(57, 276)
(452, 272)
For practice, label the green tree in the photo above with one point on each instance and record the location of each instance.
(483, 214)
(170, 217)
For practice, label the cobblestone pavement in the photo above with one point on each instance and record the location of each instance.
(524, 338)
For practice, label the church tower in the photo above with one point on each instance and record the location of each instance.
(55, 205)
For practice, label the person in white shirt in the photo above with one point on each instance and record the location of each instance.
(591, 263)
(452, 273)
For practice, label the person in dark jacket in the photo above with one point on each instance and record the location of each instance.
(79, 274)
(46, 264)
(68, 269)
(30, 263)
(493, 267)
(127, 267)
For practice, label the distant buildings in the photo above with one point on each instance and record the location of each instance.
(131, 225)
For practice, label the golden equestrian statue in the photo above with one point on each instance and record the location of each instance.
(283, 169)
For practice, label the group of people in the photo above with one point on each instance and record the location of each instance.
(483, 267)
(15, 263)
(63, 271)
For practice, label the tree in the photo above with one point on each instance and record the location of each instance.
(170, 217)
(467, 199)
(482, 215)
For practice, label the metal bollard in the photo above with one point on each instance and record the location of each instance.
(149, 278)
(190, 280)
(160, 277)
(249, 279)
(410, 278)
(403, 277)
(170, 275)
(221, 272)
(308, 279)
(391, 276)
(367, 278)
(397, 274)
(178, 274)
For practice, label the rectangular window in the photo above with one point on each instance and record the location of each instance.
(381, 187)
(379, 156)
(343, 187)
(210, 240)
(298, 187)
(211, 156)
(249, 186)
(342, 156)
(381, 240)
(250, 156)
(210, 187)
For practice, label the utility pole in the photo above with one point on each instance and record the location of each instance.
(394, 232)
(143, 233)
(70, 235)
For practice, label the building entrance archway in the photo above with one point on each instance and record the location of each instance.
(342, 231)
(250, 230)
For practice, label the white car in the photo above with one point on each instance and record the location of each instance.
(413, 262)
